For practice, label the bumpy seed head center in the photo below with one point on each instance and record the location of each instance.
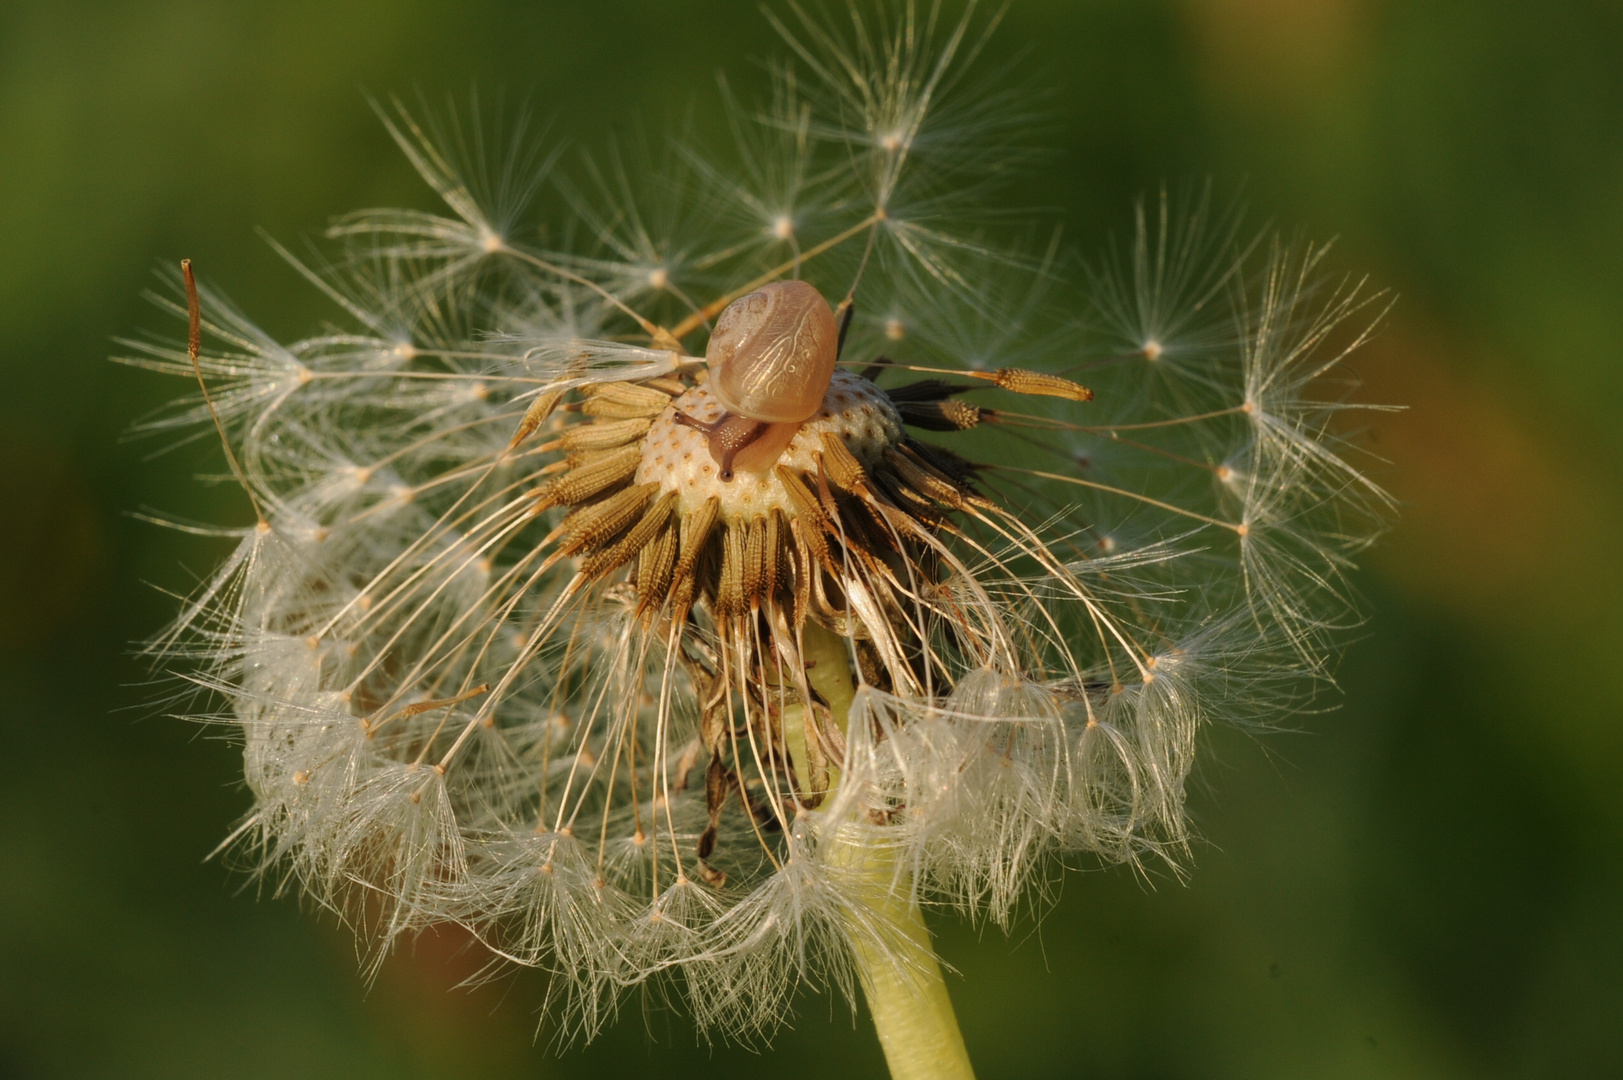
(677, 456)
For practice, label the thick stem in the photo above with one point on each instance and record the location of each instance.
(901, 977)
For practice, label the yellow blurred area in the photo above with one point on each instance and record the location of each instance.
(1272, 52)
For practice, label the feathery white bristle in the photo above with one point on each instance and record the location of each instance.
(442, 722)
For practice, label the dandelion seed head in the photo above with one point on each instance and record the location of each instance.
(676, 456)
(508, 651)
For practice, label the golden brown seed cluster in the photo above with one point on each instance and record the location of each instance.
(644, 495)
(840, 528)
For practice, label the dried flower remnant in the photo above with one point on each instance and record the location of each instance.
(660, 673)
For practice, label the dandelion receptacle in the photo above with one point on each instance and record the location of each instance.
(683, 574)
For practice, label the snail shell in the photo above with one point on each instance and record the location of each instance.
(772, 353)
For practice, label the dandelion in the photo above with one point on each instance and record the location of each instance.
(687, 605)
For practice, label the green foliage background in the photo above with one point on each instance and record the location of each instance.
(1425, 883)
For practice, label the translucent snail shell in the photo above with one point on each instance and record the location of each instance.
(772, 353)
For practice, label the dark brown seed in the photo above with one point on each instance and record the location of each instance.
(1021, 381)
(805, 565)
(844, 470)
(775, 556)
(655, 564)
(754, 556)
(718, 783)
(730, 591)
(649, 526)
(925, 390)
(602, 434)
(949, 415)
(580, 484)
(539, 410)
(925, 479)
(666, 384)
(594, 526)
(624, 400)
(808, 516)
(960, 470)
(695, 533)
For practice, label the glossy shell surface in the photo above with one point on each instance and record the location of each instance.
(772, 353)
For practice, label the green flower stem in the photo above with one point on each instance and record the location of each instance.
(901, 976)
(896, 961)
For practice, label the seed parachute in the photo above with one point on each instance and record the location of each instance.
(784, 538)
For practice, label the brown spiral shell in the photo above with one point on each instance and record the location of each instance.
(772, 353)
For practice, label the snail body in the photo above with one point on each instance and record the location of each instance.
(771, 357)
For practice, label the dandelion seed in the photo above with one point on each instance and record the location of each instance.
(647, 612)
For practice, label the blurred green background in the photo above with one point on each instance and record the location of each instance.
(1425, 883)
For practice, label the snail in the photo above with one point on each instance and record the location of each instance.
(771, 357)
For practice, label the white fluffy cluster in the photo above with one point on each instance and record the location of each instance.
(442, 723)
